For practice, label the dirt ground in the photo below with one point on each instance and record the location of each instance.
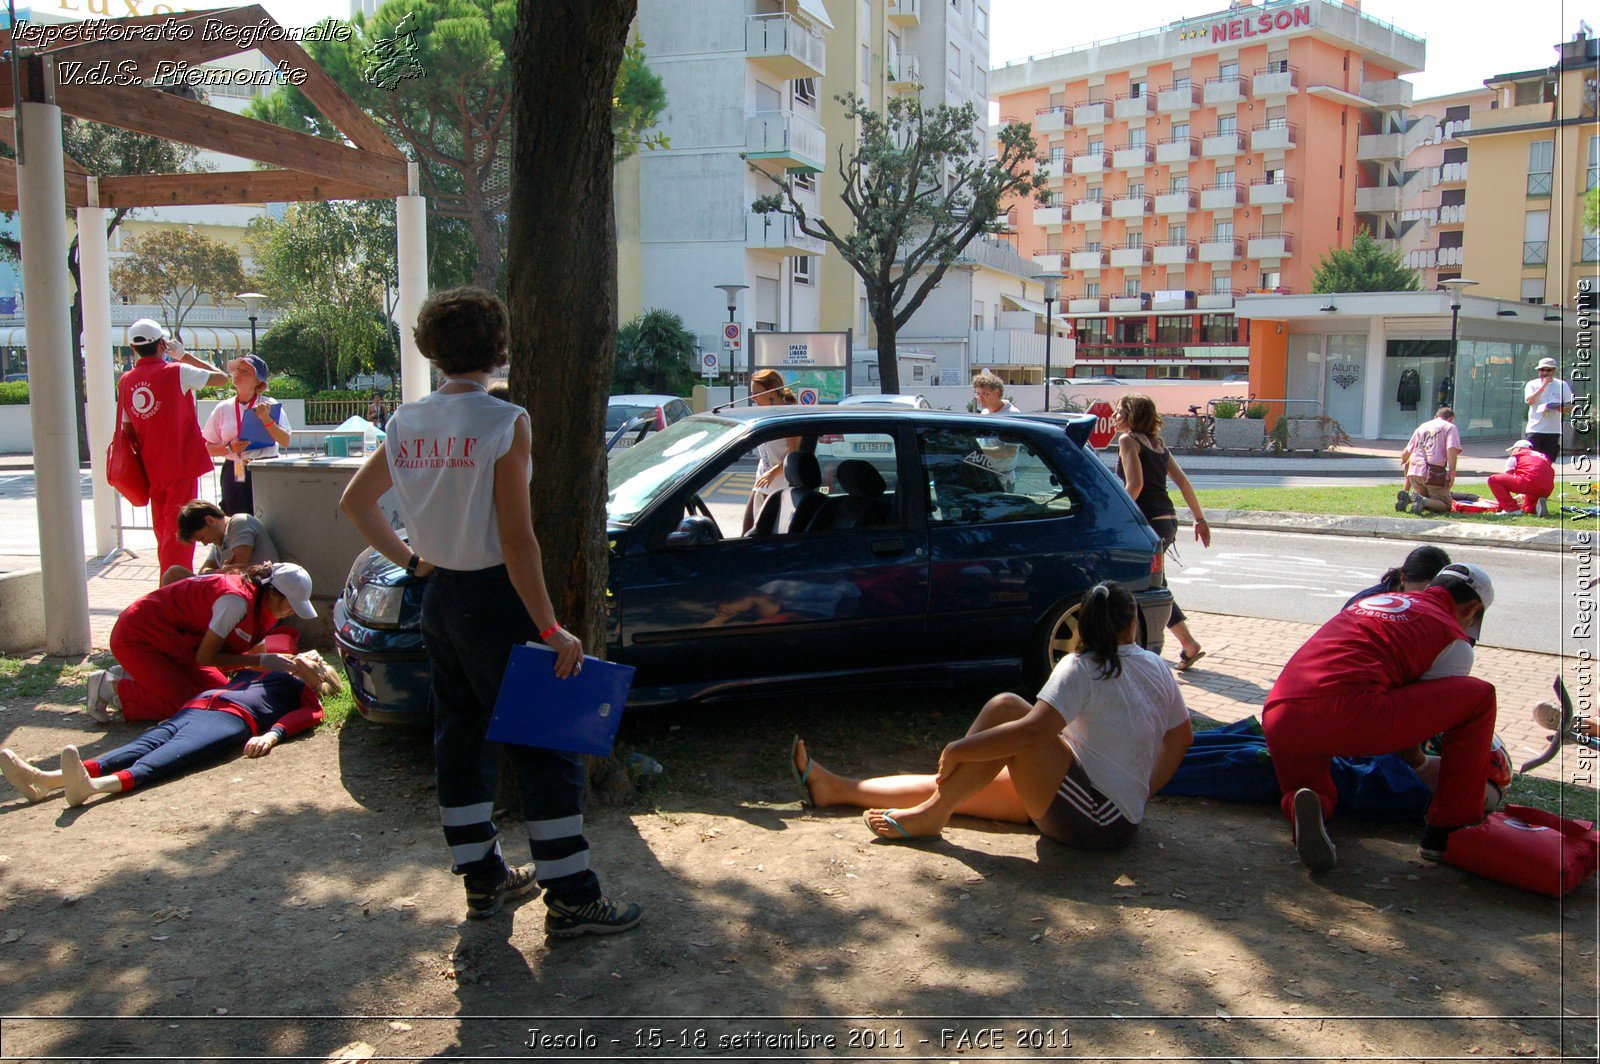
(288, 907)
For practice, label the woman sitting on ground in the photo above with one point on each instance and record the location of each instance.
(254, 710)
(1084, 785)
(1413, 574)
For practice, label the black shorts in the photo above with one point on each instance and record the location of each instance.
(1081, 817)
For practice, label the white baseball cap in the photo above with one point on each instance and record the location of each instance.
(1520, 445)
(294, 584)
(147, 331)
(1548, 363)
(1475, 578)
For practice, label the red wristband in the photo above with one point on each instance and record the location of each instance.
(548, 632)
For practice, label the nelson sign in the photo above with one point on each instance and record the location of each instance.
(1264, 24)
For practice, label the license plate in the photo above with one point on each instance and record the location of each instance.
(870, 448)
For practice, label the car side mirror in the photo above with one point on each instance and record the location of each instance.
(694, 531)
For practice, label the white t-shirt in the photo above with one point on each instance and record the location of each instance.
(768, 455)
(442, 449)
(192, 378)
(1006, 407)
(1556, 392)
(1115, 724)
(226, 613)
(222, 426)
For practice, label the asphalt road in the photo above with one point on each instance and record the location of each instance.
(1297, 577)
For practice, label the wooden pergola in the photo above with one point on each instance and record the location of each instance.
(43, 183)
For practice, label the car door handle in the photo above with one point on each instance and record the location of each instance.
(887, 548)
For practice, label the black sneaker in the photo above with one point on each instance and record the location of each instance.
(483, 903)
(598, 917)
(1310, 834)
(1434, 841)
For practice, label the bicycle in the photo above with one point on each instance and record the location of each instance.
(1205, 423)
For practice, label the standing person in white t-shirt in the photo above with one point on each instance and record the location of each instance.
(460, 463)
(767, 389)
(247, 428)
(1548, 397)
(1108, 730)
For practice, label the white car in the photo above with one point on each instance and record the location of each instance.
(656, 412)
(914, 402)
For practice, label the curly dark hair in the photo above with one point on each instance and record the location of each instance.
(463, 330)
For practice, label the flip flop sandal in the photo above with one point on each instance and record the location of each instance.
(905, 836)
(1186, 662)
(1563, 733)
(800, 777)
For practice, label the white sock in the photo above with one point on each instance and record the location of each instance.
(34, 783)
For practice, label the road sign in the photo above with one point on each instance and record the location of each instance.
(808, 397)
(1102, 432)
(732, 336)
(708, 364)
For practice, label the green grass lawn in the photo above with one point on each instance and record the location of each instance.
(1376, 501)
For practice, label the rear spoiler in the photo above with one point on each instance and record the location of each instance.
(1077, 426)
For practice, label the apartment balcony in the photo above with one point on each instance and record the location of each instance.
(1221, 144)
(1086, 305)
(1087, 260)
(1050, 120)
(1127, 107)
(1007, 347)
(1180, 300)
(1219, 251)
(1049, 170)
(1175, 99)
(1225, 90)
(1270, 84)
(1130, 207)
(1422, 259)
(905, 12)
(1451, 256)
(1177, 150)
(1380, 147)
(778, 234)
(1046, 216)
(1526, 114)
(1131, 156)
(1091, 163)
(1269, 246)
(1129, 304)
(1454, 214)
(1221, 197)
(780, 141)
(1270, 137)
(1378, 199)
(1174, 202)
(905, 72)
(785, 46)
(1214, 301)
(1271, 193)
(1126, 258)
(1089, 114)
(1089, 211)
(1450, 173)
(1388, 94)
(1049, 261)
(1173, 254)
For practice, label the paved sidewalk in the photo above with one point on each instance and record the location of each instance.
(1486, 534)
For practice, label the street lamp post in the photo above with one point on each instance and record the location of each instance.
(1454, 287)
(252, 302)
(732, 292)
(1051, 280)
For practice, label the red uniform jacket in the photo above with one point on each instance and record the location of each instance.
(163, 419)
(1381, 642)
(182, 610)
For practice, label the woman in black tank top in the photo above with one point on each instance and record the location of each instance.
(1144, 464)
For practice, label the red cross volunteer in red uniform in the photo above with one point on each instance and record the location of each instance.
(157, 401)
(1386, 673)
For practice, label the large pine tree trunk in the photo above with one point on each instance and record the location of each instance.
(561, 284)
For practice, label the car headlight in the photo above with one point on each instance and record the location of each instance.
(378, 604)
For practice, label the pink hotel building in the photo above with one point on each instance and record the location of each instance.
(1210, 158)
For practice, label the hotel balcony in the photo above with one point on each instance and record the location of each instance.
(1222, 143)
(1225, 90)
(905, 72)
(1173, 254)
(1174, 202)
(1388, 93)
(1130, 207)
(1175, 99)
(1087, 260)
(1128, 107)
(1049, 261)
(1221, 197)
(1219, 250)
(1176, 300)
(1270, 246)
(780, 141)
(1086, 305)
(1091, 163)
(1451, 173)
(778, 234)
(1131, 156)
(1271, 193)
(1380, 147)
(1048, 215)
(1269, 84)
(1177, 150)
(1273, 137)
(1214, 301)
(905, 12)
(1130, 304)
(785, 46)
(1089, 114)
(1454, 214)
(1050, 120)
(1130, 257)
(1378, 199)
(1089, 211)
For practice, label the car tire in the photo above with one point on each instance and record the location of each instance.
(1056, 637)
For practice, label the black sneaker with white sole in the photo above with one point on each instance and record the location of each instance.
(1434, 842)
(598, 917)
(1311, 834)
(483, 900)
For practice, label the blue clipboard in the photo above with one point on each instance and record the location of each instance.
(579, 714)
(253, 432)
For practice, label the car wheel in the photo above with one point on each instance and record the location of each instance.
(1056, 638)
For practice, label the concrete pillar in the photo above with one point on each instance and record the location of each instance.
(1377, 379)
(411, 242)
(99, 372)
(42, 208)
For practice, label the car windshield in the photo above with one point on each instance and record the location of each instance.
(643, 473)
(617, 413)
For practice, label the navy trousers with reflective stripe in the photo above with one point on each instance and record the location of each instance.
(471, 620)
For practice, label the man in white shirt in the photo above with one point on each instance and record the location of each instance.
(1548, 397)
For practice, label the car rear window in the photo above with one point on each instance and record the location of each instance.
(618, 413)
(981, 479)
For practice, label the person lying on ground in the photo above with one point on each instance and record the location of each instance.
(1107, 731)
(1413, 574)
(236, 542)
(254, 712)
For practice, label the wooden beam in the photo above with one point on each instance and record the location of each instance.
(9, 137)
(75, 185)
(164, 115)
(330, 99)
(240, 186)
(146, 57)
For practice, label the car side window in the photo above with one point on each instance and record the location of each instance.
(981, 479)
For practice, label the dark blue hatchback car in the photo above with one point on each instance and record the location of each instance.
(904, 546)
